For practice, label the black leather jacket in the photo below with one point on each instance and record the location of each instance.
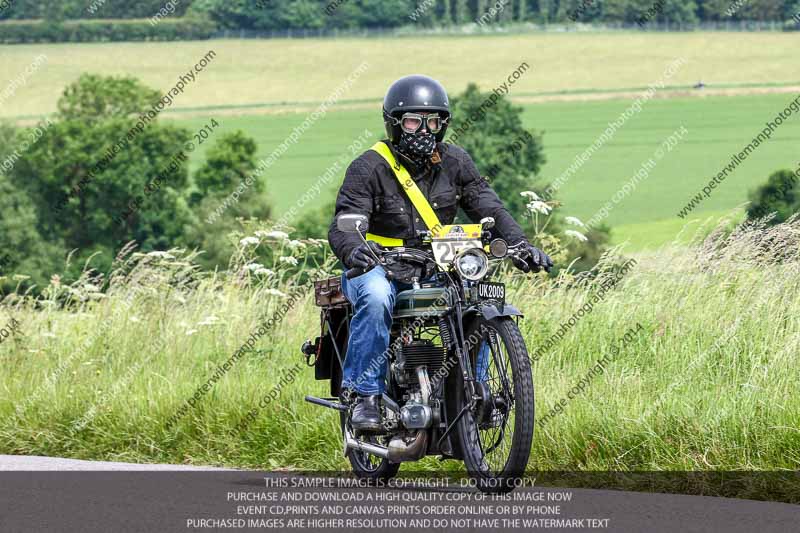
(370, 188)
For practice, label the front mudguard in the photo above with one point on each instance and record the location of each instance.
(489, 311)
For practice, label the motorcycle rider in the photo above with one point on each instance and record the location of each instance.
(416, 114)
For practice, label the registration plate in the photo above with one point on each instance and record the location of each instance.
(489, 290)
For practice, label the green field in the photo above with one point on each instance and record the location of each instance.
(717, 126)
(250, 72)
(267, 88)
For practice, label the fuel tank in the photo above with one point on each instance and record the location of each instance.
(427, 301)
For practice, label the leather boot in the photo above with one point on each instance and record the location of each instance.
(367, 415)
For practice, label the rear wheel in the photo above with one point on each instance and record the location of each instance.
(496, 431)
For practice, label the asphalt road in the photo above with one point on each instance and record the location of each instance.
(28, 463)
(44, 494)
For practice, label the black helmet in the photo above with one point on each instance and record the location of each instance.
(414, 93)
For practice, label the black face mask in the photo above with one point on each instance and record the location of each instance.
(417, 146)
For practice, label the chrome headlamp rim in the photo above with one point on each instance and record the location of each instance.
(480, 254)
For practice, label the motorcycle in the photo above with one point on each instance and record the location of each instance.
(459, 381)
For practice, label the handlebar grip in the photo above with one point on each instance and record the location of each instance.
(354, 272)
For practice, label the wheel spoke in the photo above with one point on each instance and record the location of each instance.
(495, 435)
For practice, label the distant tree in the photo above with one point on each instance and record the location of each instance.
(101, 97)
(8, 136)
(779, 195)
(761, 10)
(229, 161)
(522, 10)
(222, 181)
(314, 222)
(447, 13)
(480, 9)
(498, 143)
(385, 13)
(461, 12)
(630, 11)
(83, 188)
(791, 9)
(283, 14)
(303, 14)
(23, 251)
(80, 9)
(580, 10)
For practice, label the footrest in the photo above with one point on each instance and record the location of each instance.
(326, 403)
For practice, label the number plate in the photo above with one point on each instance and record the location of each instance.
(488, 290)
(449, 240)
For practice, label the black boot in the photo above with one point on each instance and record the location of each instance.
(367, 415)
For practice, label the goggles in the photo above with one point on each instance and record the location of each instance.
(412, 122)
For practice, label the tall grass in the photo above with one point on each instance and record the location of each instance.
(709, 383)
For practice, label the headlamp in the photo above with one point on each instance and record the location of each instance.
(472, 264)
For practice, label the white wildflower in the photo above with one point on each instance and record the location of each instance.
(275, 234)
(538, 206)
(575, 221)
(530, 194)
(88, 287)
(275, 292)
(576, 235)
(161, 255)
(248, 241)
(264, 272)
(208, 321)
(288, 260)
(295, 244)
(254, 266)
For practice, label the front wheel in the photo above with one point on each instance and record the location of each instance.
(496, 430)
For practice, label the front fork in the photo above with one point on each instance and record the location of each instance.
(455, 323)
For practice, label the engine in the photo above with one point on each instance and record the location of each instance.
(418, 352)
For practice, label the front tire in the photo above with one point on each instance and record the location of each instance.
(496, 438)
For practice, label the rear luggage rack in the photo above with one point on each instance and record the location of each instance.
(328, 293)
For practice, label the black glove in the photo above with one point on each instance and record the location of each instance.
(532, 259)
(361, 257)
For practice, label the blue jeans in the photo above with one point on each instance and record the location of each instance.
(366, 363)
(482, 362)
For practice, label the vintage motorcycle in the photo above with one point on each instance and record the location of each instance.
(459, 383)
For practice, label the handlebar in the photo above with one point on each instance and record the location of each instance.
(514, 252)
(354, 272)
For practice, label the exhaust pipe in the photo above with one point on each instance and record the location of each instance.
(399, 449)
(352, 443)
(413, 450)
